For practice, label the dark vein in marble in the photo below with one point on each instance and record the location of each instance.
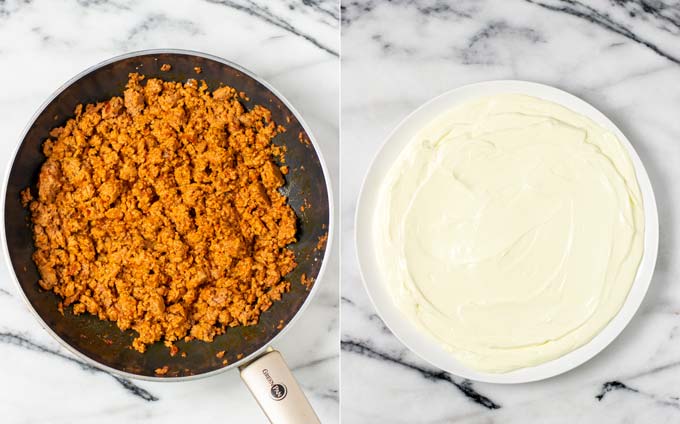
(7, 9)
(96, 3)
(603, 20)
(265, 15)
(643, 7)
(331, 394)
(478, 50)
(373, 317)
(352, 11)
(315, 362)
(465, 386)
(347, 300)
(23, 342)
(498, 28)
(5, 292)
(88, 3)
(389, 47)
(615, 385)
(158, 20)
(134, 389)
(376, 319)
(655, 370)
(318, 6)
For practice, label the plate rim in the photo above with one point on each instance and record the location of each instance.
(424, 345)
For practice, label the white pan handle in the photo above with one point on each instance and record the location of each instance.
(273, 386)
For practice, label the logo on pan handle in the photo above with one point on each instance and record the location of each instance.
(278, 391)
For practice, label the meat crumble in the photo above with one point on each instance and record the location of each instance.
(160, 210)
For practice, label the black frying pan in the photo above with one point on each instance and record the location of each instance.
(101, 342)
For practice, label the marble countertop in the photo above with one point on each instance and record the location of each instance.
(294, 45)
(621, 56)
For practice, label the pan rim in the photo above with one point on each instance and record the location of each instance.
(312, 139)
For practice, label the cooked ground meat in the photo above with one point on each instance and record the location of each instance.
(160, 210)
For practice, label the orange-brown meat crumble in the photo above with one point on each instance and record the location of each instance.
(160, 210)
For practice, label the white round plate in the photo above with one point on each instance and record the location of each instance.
(425, 345)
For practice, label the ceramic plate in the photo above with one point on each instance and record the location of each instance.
(425, 345)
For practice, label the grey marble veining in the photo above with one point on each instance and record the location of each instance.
(622, 56)
(292, 44)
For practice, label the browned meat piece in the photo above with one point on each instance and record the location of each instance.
(112, 108)
(271, 176)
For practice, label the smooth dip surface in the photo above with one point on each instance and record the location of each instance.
(510, 229)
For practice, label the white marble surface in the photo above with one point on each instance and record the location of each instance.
(623, 57)
(293, 45)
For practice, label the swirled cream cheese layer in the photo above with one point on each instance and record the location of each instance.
(511, 230)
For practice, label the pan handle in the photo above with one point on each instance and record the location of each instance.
(277, 392)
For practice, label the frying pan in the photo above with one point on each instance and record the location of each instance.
(101, 343)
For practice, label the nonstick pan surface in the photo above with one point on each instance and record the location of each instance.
(101, 342)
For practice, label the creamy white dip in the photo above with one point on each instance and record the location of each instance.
(511, 230)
